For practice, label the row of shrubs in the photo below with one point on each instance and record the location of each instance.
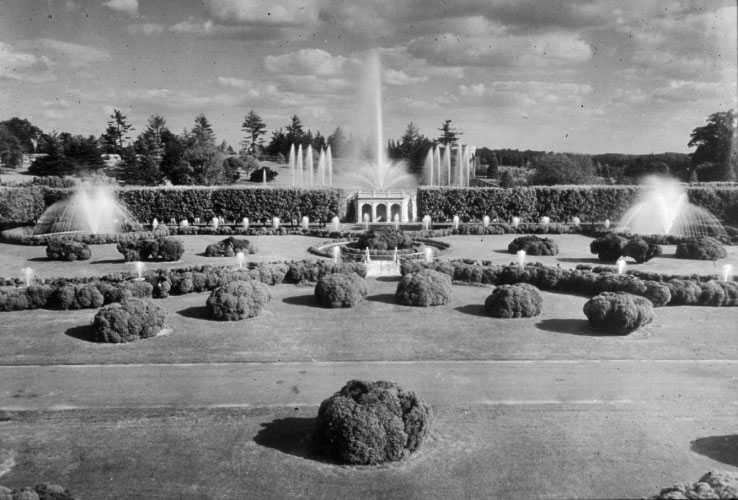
(561, 203)
(86, 292)
(674, 291)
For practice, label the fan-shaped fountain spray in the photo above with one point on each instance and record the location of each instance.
(663, 207)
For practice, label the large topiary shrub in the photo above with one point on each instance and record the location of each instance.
(78, 297)
(166, 248)
(127, 321)
(67, 250)
(718, 484)
(340, 290)
(608, 248)
(533, 245)
(238, 300)
(514, 301)
(230, 247)
(424, 288)
(702, 248)
(618, 312)
(640, 250)
(384, 239)
(368, 423)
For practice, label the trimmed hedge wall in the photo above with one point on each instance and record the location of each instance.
(24, 205)
(560, 203)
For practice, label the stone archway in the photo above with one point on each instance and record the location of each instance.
(381, 212)
(395, 209)
(366, 209)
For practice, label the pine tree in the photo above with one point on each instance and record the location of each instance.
(255, 128)
(449, 135)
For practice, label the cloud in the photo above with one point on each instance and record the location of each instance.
(237, 83)
(395, 77)
(145, 29)
(181, 99)
(306, 62)
(76, 55)
(264, 12)
(130, 7)
(24, 66)
(525, 93)
(312, 84)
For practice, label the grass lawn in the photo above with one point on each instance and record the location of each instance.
(532, 445)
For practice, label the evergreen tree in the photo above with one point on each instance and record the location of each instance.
(254, 127)
(449, 135)
(116, 136)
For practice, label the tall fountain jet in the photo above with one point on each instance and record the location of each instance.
(292, 163)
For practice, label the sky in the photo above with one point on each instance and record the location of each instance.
(586, 76)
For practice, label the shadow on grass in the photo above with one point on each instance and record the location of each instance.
(84, 332)
(504, 252)
(290, 435)
(723, 449)
(570, 326)
(303, 300)
(472, 310)
(39, 259)
(585, 260)
(385, 298)
(195, 312)
(388, 278)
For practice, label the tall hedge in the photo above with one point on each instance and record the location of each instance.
(560, 203)
(24, 205)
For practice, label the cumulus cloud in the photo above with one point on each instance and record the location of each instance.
(24, 66)
(145, 29)
(181, 99)
(394, 77)
(75, 55)
(306, 62)
(269, 12)
(130, 7)
(525, 93)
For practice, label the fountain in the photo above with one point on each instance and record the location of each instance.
(139, 266)
(305, 223)
(184, 223)
(621, 265)
(292, 163)
(516, 221)
(396, 220)
(485, 221)
(240, 257)
(336, 254)
(245, 223)
(275, 222)
(154, 223)
(456, 222)
(607, 223)
(91, 209)
(367, 257)
(663, 207)
(27, 275)
(215, 222)
(545, 220)
(576, 221)
(727, 272)
(426, 222)
(521, 258)
(428, 253)
(336, 222)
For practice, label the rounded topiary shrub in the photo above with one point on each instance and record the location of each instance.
(170, 249)
(230, 247)
(367, 423)
(609, 247)
(702, 248)
(127, 321)
(340, 290)
(424, 288)
(618, 312)
(533, 245)
(641, 251)
(514, 301)
(68, 250)
(238, 300)
(716, 484)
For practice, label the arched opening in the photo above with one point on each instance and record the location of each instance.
(366, 212)
(381, 212)
(395, 210)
